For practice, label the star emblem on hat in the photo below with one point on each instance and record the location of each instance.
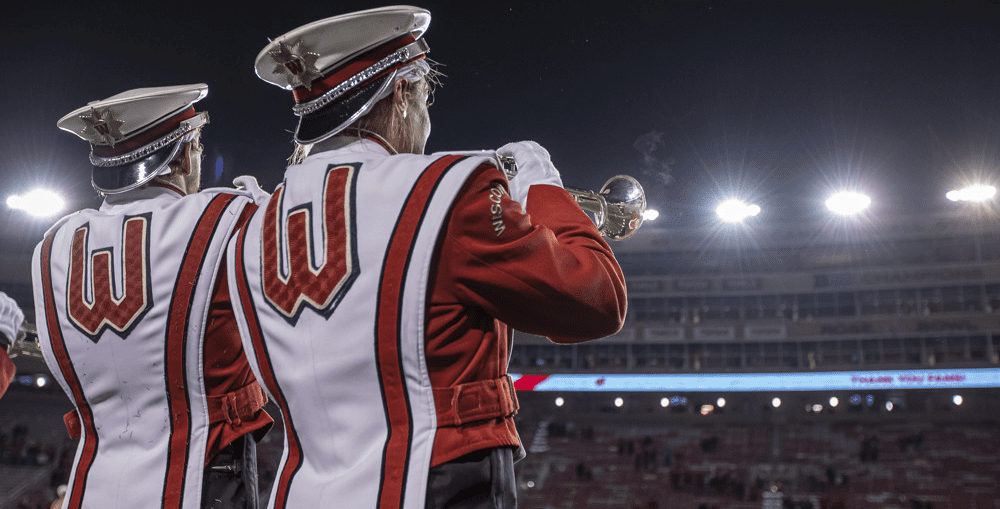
(299, 65)
(102, 126)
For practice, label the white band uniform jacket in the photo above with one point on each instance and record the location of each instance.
(122, 296)
(335, 280)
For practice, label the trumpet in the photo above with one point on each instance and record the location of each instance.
(618, 207)
(26, 342)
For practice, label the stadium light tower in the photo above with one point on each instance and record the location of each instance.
(735, 211)
(37, 203)
(975, 193)
(848, 203)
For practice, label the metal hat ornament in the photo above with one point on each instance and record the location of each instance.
(135, 134)
(338, 67)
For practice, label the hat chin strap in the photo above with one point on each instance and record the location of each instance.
(411, 72)
(163, 169)
(401, 57)
(384, 91)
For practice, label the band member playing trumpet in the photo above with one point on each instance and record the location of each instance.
(378, 288)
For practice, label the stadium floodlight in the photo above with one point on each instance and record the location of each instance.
(976, 193)
(848, 203)
(37, 203)
(650, 214)
(735, 211)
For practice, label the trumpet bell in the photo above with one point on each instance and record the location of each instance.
(618, 207)
(626, 205)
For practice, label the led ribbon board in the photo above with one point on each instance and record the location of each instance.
(750, 382)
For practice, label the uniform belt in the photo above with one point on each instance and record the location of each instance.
(475, 401)
(235, 406)
(238, 405)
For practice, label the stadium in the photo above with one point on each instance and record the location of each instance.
(778, 352)
(846, 362)
(849, 361)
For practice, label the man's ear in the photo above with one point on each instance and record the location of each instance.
(185, 161)
(399, 95)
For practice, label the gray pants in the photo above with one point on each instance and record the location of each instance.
(479, 480)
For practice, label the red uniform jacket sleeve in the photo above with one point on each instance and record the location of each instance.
(226, 367)
(7, 371)
(547, 272)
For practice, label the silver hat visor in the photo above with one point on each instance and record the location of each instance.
(334, 118)
(126, 177)
(118, 174)
(337, 108)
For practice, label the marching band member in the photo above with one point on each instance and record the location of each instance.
(134, 319)
(378, 287)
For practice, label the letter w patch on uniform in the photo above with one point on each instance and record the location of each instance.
(93, 301)
(291, 275)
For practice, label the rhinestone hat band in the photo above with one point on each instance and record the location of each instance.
(403, 54)
(139, 153)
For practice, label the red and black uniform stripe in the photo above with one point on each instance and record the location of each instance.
(389, 314)
(294, 459)
(90, 441)
(177, 338)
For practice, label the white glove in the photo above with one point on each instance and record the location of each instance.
(11, 317)
(249, 184)
(534, 167)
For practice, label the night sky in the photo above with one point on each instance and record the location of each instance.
(773, 102)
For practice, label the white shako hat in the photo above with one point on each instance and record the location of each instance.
(337, 68)
(135, 134)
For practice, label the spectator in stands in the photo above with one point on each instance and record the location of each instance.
(710, 444)
(869, 449)
(914, 443)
